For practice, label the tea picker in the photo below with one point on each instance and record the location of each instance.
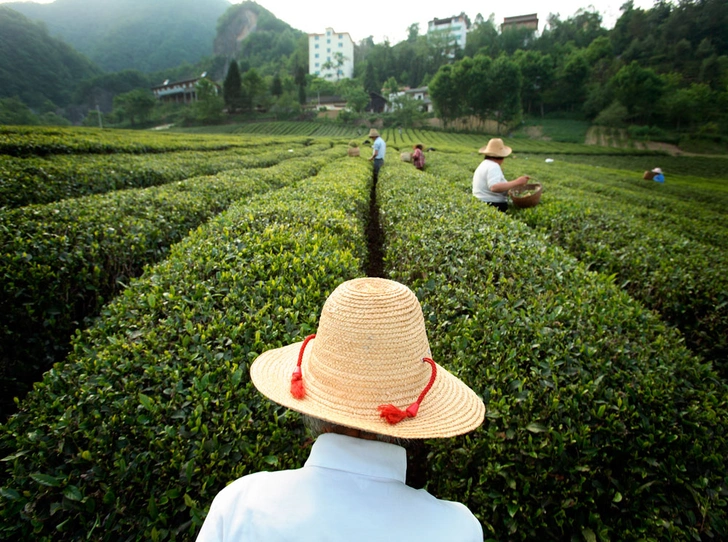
(489, 183)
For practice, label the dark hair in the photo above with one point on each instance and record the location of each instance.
(419, 146)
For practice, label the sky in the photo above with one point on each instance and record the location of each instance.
(390, 20)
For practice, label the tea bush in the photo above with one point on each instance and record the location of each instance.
(153, 412)
(649, 250)
(42, 141)
(600, 424)
(60, 262)
(26, 181)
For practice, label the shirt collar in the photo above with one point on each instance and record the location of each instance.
(360, 456)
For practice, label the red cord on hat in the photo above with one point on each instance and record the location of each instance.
(394, 415)
(297, 389)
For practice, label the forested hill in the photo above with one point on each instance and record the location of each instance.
(254, 35)
(132, 34)
(36, 67)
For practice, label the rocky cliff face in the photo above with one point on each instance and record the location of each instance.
(234, 27)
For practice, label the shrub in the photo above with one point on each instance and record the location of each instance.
(153, 412)
(599, 423)
(61, 262)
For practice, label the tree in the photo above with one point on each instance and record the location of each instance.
(406, 111)
(506, 81)
(301, 81)
(356, 98)
(254, 87)
(391, 86)
(413, 31)
(209, 105)
(135, 105)
(370, 80)
(14, 112)
(232, 90)
(638, 89)
(446, 95)
(276, 87)
(537, 70)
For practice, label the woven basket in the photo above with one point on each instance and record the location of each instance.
(406, 157)
(526, 201)
(353, 151)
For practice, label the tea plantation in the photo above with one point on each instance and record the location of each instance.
(143, 272)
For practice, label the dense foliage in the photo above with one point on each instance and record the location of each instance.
(659, 242)
(61, 262)
(600, 424)
(167, 415)
(38, 69)
(127, 34)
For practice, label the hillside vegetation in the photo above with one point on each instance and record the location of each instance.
(36, 67)
(128, 34)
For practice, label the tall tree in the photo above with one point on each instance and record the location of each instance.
(232, 90)
(639, 90)
(276, 87)
(370, 80)
(446, 95)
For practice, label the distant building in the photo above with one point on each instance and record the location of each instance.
(182, 92)
(331, 55)
(421, 94)
(177, 92)
(521, 21)
(454, 27)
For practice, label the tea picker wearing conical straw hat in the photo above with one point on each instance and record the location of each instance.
(366, 383)
(489, 183)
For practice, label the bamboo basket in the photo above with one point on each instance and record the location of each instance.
(526, 201)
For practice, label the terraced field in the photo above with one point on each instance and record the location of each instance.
(143, 272)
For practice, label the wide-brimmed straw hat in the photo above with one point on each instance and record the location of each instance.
(373, 133)
(369, 367)
(496, 149)
(657, 170)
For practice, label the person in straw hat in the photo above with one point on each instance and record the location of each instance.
(379, 149)
(365, 383)
(489, 183)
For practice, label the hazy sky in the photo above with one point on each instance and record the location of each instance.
(391, 19)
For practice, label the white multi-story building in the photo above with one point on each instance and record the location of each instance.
(454, 27)
(331, 55)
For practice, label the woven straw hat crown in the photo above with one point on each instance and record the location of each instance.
(373, 133)
(368, 351)
(496, 148)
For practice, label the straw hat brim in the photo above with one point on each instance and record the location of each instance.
(496, 149)
(450, 408)
(506, 151)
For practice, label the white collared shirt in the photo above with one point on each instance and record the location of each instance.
(349, 490)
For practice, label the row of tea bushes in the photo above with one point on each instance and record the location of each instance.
(678, 276)
(35, 141)
(600, 425)
(35, 180)
(60, 262)
(693, 212)
(153, 412)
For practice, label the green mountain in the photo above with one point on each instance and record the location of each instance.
(36, 67)
(252, 34)
(132, 34)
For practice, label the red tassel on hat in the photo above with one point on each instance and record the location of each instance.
(297, 389)
(394, 415)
